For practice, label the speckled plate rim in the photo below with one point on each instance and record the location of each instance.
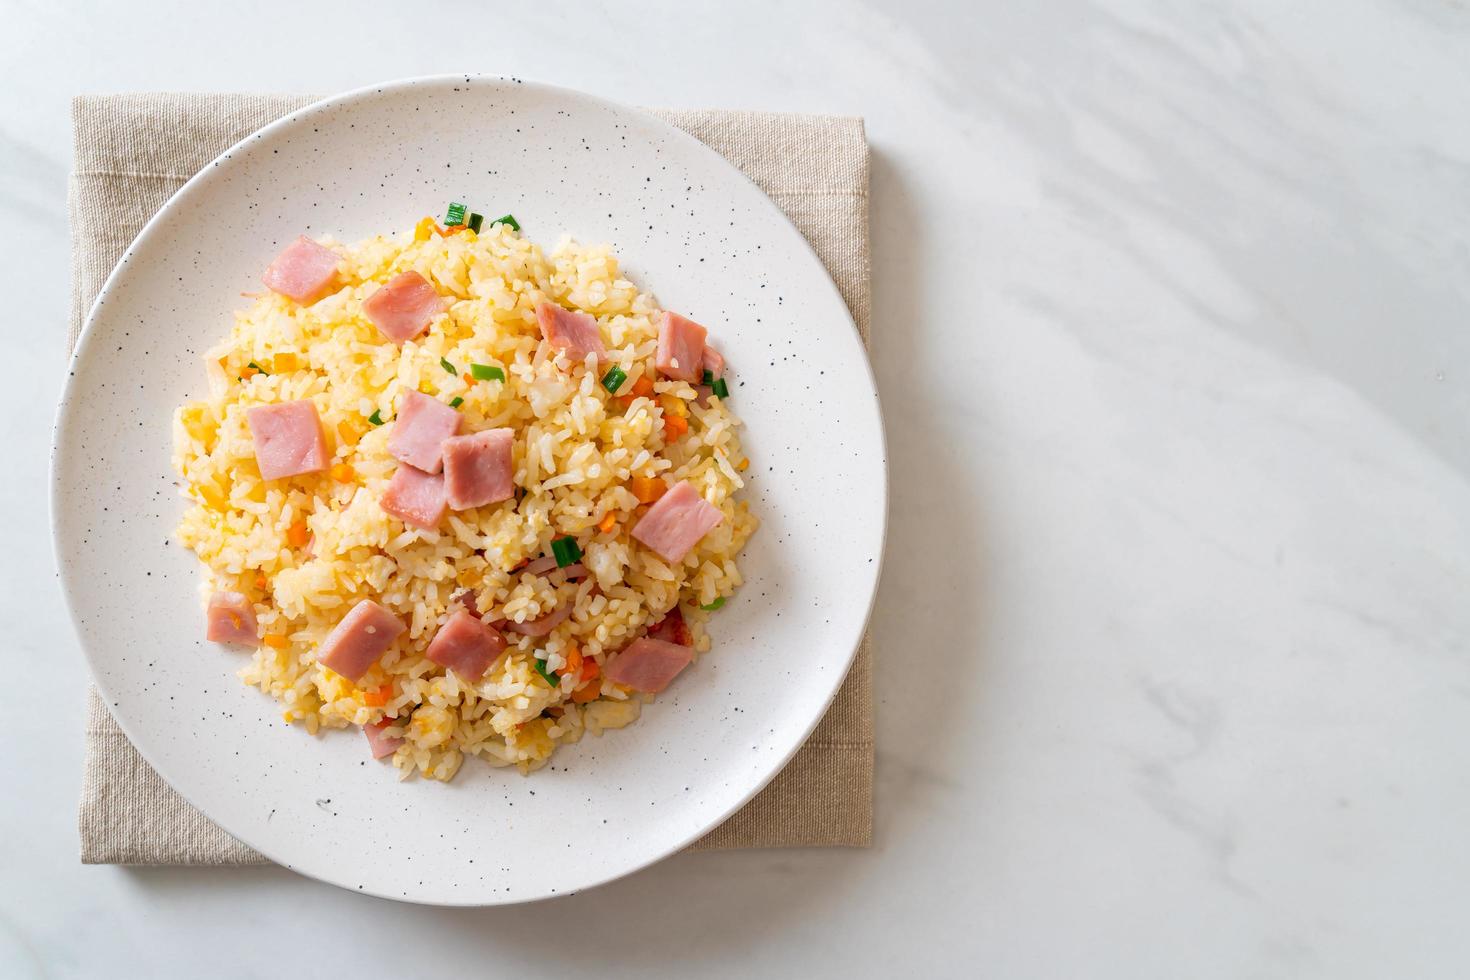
(182, 199)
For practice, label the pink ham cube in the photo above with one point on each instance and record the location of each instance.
(356, 643)
(414, 497)
(403, 306)
(676, 522)
(305, 271)
(419, 431)
(713, 363)
(230, 619)
(478, 468)
(680, 351)
(649, 665)
(466, 646)
(380, 745)
(574, 334)
(288, 439)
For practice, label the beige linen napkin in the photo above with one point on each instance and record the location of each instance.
(132, 152)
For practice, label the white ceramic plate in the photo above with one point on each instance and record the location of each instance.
(686, 225)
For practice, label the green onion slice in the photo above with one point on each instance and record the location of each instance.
(487, 372)
(444, 363)
(546, 675)
(613, 379)
(458, 401)
(508, 219)
(566, 552)
(714, 605)
(377, 417)
(455, 214)
(720, 389)
(476, 220)
(708, 378)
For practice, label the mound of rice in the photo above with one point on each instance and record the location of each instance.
(306, 549)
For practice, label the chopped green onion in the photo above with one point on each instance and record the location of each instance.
(613, 379)
(487, 372)
(509, 219)
(714, 605)
(708, 378)
(258, 369)
(546, 675)
(455, 214)
(476, 220)
(566, 552)
(377, 417)
(721, 389)
(444, 363)
(458, 401)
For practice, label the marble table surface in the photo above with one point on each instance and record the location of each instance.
(1172, 328)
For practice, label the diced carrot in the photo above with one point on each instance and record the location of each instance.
(742, 465)
(351, 430)
(674, 426)
(297, 535)
(647, 488)
(276, 641)
(379, 697)
(587, 690)
(249, 371)
(574, 660)
(261, 581)
(342, 473)
(608, 522)
(643, 387)
(285, 361)
(455, 229)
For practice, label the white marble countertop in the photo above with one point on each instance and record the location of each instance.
(1171, 328)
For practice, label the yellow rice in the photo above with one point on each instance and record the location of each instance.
(575, 451)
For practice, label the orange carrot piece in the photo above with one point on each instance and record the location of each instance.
(297, 535)
(275, 641)
(261, 581)
(608, 522)
(643, 387)
(647, 488)
(674, 427)
(342, 473)
(574, 660)
(379, 697)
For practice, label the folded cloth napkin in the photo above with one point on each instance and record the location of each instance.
(132, 152)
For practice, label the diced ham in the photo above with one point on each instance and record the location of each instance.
(676, 522)
(466, 598)
(378, 743)
(478, 469)
(403, 306)
(574, 334)
(680, 351)
(356, 643)
(542, 626)
(672, 629)
(230, 619)
(466, 646)
(544, 565)
(540, 566)
(305, 271)
(419, 431)
(648, 665)
(288, 439)
(713, 363)
(414, 497)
